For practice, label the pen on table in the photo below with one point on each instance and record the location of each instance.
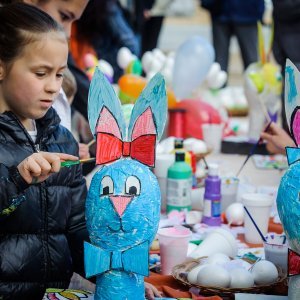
(252, 150)
(69, 163)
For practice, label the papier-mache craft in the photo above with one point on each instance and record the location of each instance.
(263, 84)
(288, 198)
(123, 202)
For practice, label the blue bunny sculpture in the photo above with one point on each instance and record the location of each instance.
(123, 202)
(288, 196)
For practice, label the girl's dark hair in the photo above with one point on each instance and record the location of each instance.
(19, 25)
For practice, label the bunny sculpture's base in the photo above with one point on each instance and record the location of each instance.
(122, 286)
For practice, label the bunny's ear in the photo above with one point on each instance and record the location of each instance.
(149, 113)
(292, 100)
(104, 107)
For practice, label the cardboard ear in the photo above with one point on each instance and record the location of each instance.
(152, 104)
(291, 97)
(101, 94)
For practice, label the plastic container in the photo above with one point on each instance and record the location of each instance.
(179, 184)
(212, 197)
(218, 241)
(173, 244)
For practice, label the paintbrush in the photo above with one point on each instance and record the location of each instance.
(91, 143)
(69, 163)
(255, 225)
(252, 150)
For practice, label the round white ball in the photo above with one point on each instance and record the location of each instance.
(264, 272)
(213, 275)
(235, 213)
(192, 275)
(241, 278)
(218, 259)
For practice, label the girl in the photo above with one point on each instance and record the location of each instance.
(41, 205)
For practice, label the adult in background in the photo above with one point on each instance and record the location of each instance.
(286, 15)
(235, 18)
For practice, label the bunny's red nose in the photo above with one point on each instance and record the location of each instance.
(120, 203)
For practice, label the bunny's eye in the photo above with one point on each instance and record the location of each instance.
(132, 186)
(107, 186)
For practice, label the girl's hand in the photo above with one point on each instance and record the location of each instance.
(151, 291)
(39, 166)
(277, 139)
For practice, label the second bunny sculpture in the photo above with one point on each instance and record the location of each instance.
(123, 203)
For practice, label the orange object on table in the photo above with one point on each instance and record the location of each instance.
(172, 288)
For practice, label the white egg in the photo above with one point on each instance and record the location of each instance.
(235, 214)
(264, 272)
(218, 259)
(147, 61)
(192, 275)
(124, 57)
(241, 278)
(237, 264)
(213, 275)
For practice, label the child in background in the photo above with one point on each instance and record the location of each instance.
(80, 127)
(42, 205)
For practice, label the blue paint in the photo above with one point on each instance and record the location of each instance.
(293, 154)
(154, 95)
(123, 202)
(288, 204)
(135, 229)
(292, 89)
(101, 93)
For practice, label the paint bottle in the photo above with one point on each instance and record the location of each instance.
(212, 197)
(179, 184)
(178, 147)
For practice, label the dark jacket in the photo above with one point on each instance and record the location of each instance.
(236, 11)
(286, 31)
(42, 226)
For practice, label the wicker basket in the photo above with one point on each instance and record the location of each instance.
(179, 272)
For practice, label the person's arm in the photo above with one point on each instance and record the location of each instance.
(16, 179)
(277, 139)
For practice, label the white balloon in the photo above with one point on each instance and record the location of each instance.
(192, 62)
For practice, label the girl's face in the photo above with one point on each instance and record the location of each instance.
(30, 85)
(62, 11)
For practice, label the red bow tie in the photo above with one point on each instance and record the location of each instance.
(110, 148)
(293, 263)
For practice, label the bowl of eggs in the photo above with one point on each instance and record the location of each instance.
(221, 275)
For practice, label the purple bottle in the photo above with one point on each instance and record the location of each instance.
(212, 197)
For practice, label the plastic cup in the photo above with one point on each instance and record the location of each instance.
(173, 244)
(212, 136)
(217, 241)
(276, 250)
(162, 163)
(259, 206)
(229, 190)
